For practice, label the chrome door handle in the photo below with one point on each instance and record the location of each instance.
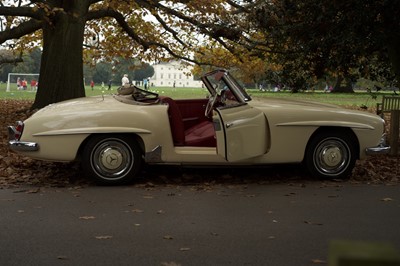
(228, 125)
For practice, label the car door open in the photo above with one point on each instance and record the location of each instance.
(241, 132)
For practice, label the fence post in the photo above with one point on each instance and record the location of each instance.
(394, 131)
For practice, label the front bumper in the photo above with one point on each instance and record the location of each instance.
(382, 148)
(17, 145)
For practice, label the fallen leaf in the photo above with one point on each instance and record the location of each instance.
(168, 237)
(170, 264)
(318, 261)
(62, 258)
(103, 237)
(184, 249)
(387, 199)
(312, 223)
(32, 191)
(87, 217)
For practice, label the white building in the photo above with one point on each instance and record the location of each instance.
(172, 74)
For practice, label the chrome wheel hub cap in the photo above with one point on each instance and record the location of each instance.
(111, 158)
(332, 156)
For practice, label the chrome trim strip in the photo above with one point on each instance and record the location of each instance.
(23, 146)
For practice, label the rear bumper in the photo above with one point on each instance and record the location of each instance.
(382, 148)
(17, 145)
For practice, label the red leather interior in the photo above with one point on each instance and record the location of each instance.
(201, 134)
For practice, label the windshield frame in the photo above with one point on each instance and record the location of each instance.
(221, 74)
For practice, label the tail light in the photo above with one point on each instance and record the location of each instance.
(18, 130)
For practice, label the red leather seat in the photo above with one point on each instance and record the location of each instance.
(200, 135)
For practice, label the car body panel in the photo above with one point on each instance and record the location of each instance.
(246, 131)
(293, 123)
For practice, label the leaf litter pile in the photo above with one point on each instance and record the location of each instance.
(17, 170)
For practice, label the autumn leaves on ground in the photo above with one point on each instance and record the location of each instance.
(16, 170)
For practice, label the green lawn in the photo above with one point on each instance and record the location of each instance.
(345, 99)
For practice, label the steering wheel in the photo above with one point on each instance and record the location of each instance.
(210, 105)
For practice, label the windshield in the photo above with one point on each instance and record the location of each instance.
(220, 81)
(238, 88)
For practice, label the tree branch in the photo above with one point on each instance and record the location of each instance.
(21, 12)
(22, 29)
(7, 57)
(120, 20)
(170, 30)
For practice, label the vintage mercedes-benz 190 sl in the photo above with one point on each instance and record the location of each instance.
(114, 135)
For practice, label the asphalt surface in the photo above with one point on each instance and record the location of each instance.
(270, 224)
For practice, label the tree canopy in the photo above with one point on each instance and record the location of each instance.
(293, 40)
(325, 36)
(73, 31)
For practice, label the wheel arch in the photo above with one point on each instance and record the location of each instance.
(136, 137)
(346, 130)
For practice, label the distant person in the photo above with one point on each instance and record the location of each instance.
(92, 84)
(145, 84)
(24, 84)
(125, 80)
(33, 85)
(109, 84)
(19, 83)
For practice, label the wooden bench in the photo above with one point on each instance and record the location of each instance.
(391, 104)
(388, 104)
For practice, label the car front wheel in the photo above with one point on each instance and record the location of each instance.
(331, 155)
(112, 160)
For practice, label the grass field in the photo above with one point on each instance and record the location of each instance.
(357, 99)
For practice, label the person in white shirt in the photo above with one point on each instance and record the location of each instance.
(125, 80)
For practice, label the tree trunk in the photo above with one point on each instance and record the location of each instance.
(61, 72)
(340, 87)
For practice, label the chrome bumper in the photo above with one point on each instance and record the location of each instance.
(17, 145)
(382, 148)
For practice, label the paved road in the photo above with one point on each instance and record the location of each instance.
(275, 224)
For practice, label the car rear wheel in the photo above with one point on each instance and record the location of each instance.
(331, 155)
(112, 159)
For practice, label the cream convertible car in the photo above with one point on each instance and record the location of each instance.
(114, 135)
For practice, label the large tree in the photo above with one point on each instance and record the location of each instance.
(326, 36)
(71, 31)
